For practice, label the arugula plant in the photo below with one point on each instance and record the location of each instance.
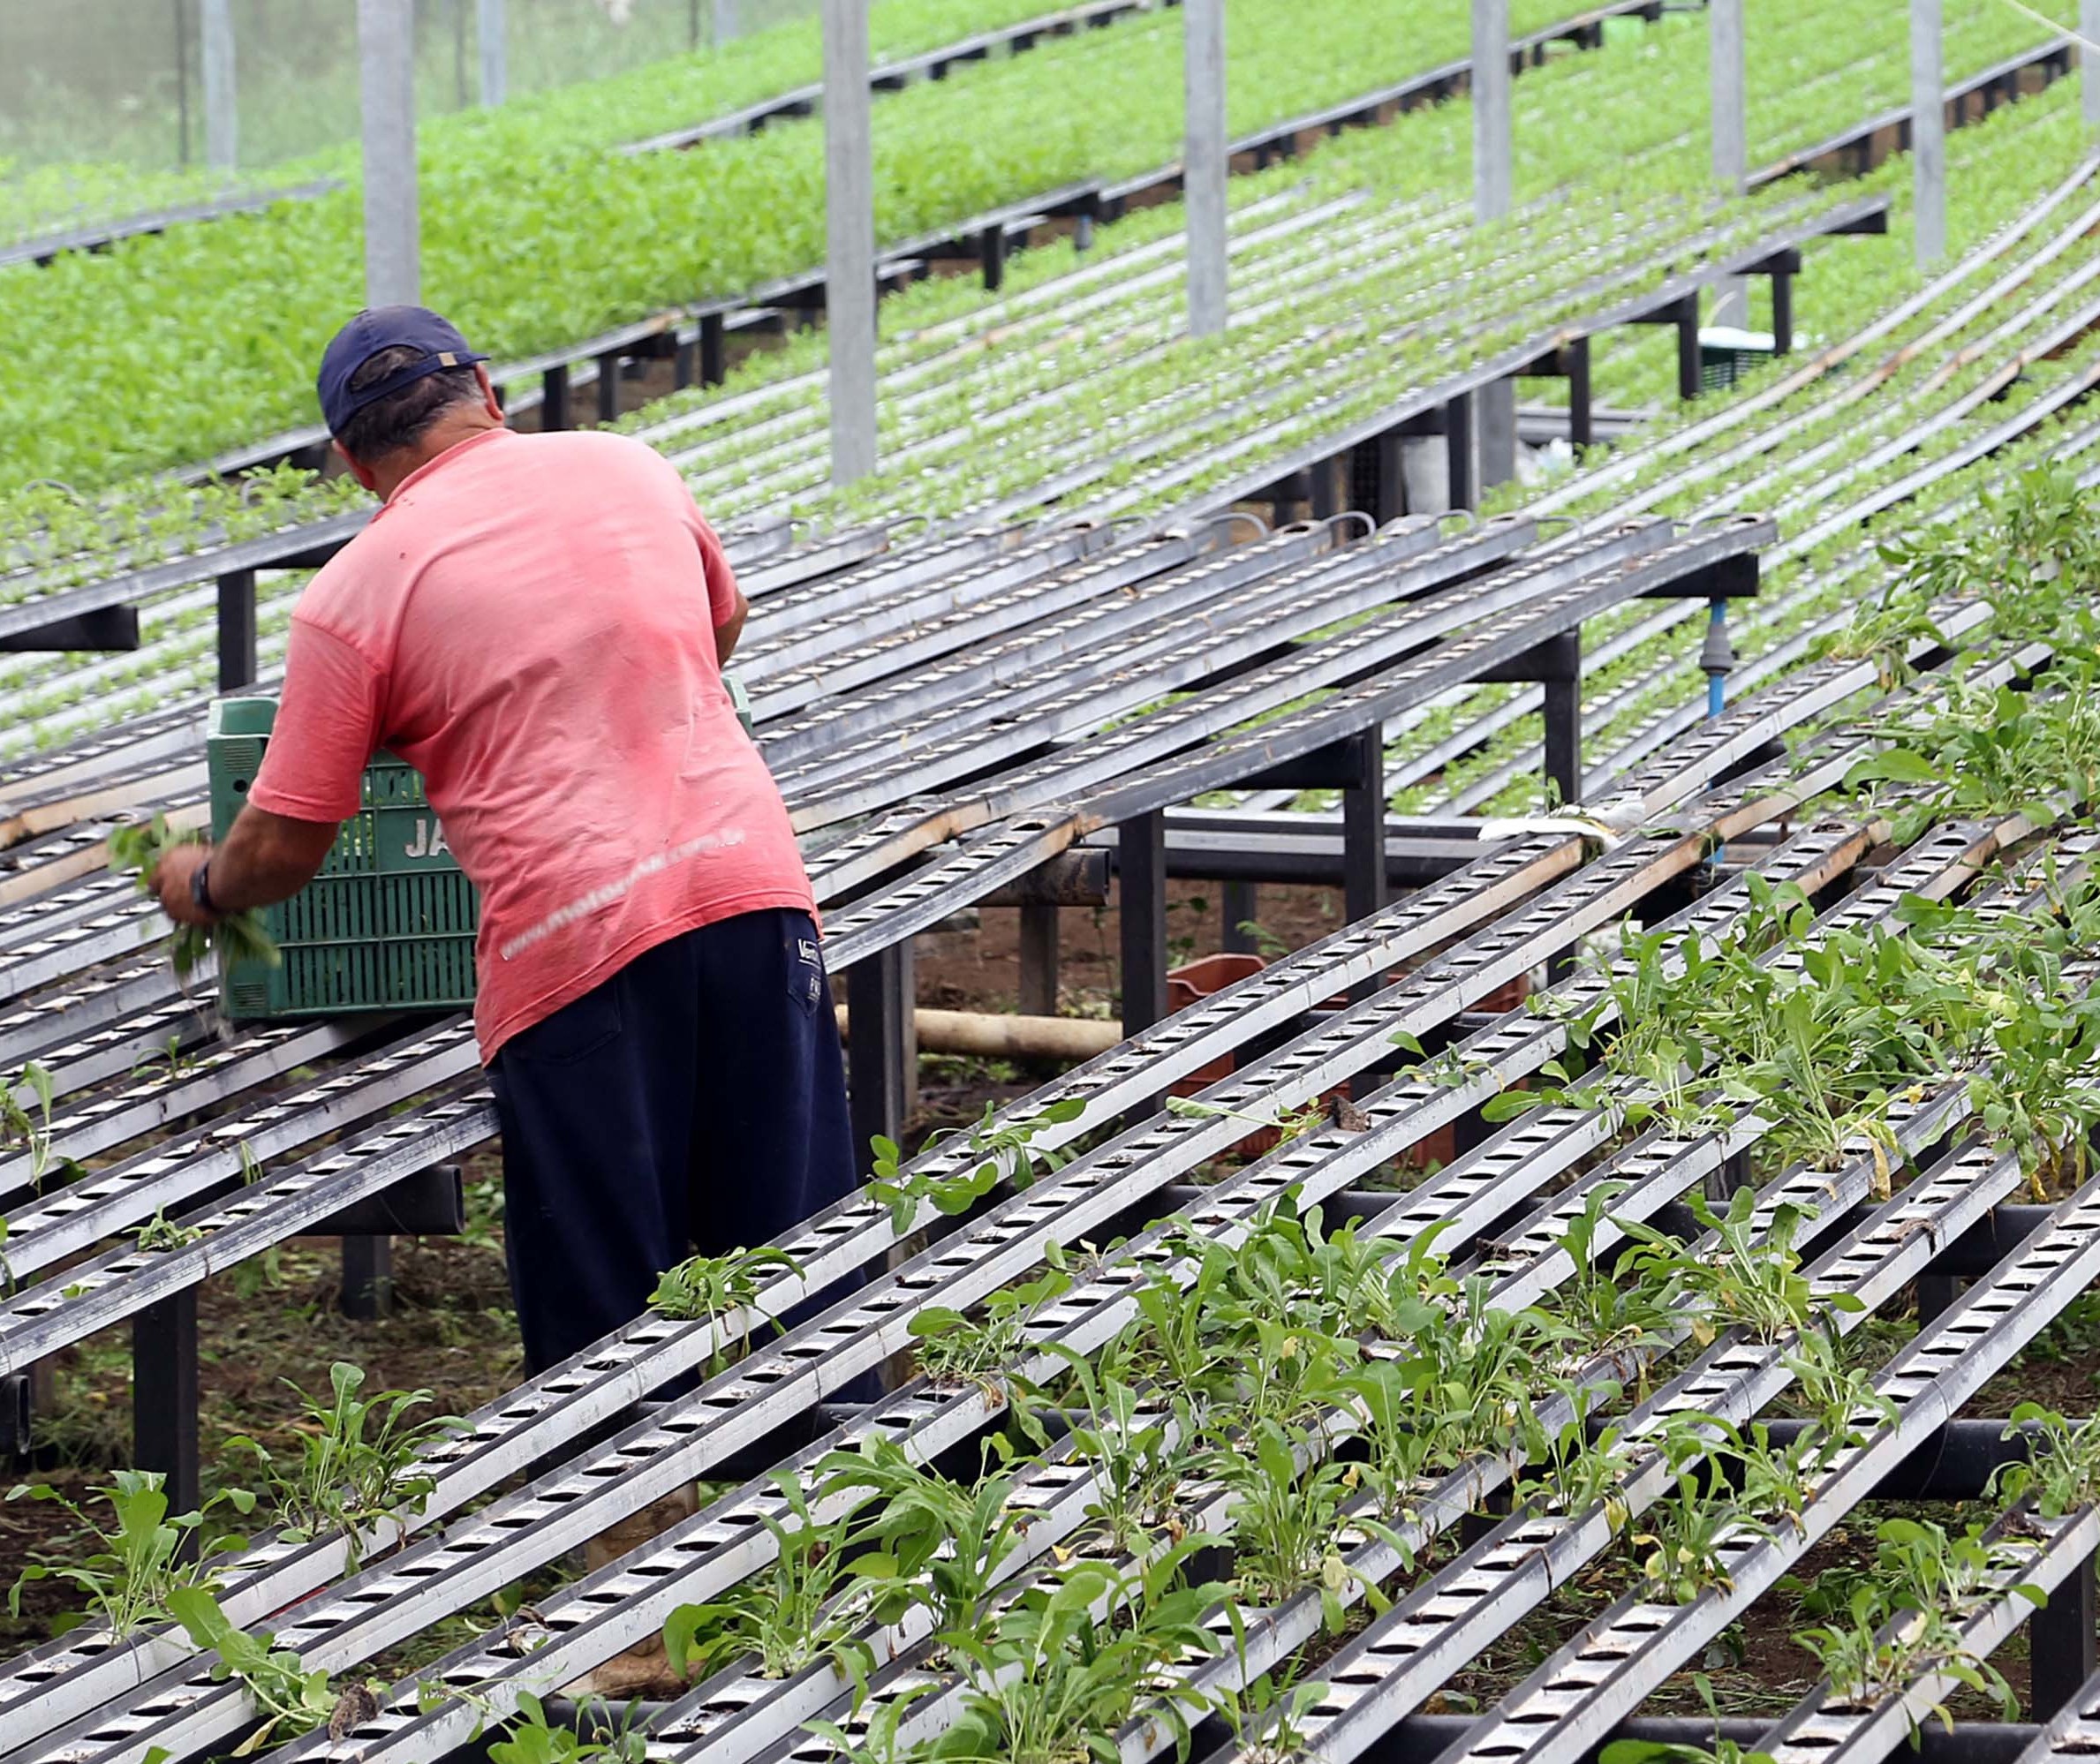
(290, 1698)
(709, 1288)
(358, 1461)
(140, 1561)
(2062, 1470)
(238, 937)
(997, 1153)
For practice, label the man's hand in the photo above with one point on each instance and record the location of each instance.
(174, 880)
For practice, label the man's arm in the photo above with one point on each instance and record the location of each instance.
(266, 858)
(730, 628)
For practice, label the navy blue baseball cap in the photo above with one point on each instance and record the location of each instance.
(386, 327)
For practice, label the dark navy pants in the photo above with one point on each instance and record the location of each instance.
(694, 1103)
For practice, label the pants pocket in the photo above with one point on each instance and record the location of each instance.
(581, 1027)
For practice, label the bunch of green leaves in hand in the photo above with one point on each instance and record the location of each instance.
(238, 937)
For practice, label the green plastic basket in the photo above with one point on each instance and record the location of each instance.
(388, 924)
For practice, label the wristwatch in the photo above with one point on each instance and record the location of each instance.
(200, 889)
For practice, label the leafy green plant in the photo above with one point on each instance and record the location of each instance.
(162, 1233)
(133, 1576)
(955, 1350)
(999, 1153)
(358, 1459)
(2062, 1470)
(805, 1606)
(707, 1288)
(291, 1698)
(238, 937)
(530, 1737)
(1268, 1716)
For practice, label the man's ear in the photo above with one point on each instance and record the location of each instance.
(489, 401)
(359, 470)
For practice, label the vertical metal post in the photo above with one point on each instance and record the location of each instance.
(1581, 421)
(1242, 903)
(715, 366)
(1364, 889)
(1927, 132)
(387, 79)
(555, 403)
(1563, 679)
(165, 1396)
(2062, 1638)
(492, 38)
(1717, 656)
(459, 98)
(1782, 307)
(876, 1003)
(693, 24)
(1392, 498)
(850, 235)
(724, 21)
(237, 663)
(1495, 404)
(2089, 61)
(1039, 958)
(609, 389)
(182, 82)
(1458, 448)
(222, 103)
(1691, 379)
(1490, 109)
(1204, 163)
(1141, 908)
(367, 1278)
(1730, 105)
(990, 256)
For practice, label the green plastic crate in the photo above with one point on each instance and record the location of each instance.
(388, 924)
(1727, 355)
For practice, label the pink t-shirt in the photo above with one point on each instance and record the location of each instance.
(529, 623)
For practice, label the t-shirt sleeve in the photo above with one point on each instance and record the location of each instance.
(326, 730)
(722, 580)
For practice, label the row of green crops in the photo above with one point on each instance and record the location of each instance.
(1997, 169)
(587, 118)
(204, 336)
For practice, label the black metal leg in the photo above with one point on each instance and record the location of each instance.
(1782, 312)
(1458, 447)
(165, 1396)
(1328, 497)
(875, 1045)
(367, 1278)
(1936, 1292)
(1563, 681)
(1364, 888)
(1391, 501)
(714, 351)
(1039, 959)
(237, 663)
(1243, 907)
(684, 362)
(1581, 419)
(991, 251)
(1141, 902)
(609, 389)
(2062, 1638)
(1688, 376)
(554, 413)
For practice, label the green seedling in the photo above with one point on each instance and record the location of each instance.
(997, 1153)
(238, 937)
(358, 1463)
(707, 1288)
(137, 1567)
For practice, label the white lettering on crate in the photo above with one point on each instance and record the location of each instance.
(430, 838)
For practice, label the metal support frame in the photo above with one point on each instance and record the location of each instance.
(2061, 1637)
(165, 1396)
(367, 1278)
(238, 664)
(1141, 906)
(1491, 75)
(1366, 888)
(990, 256)
(1927, 132)
(492, 41)
(105, 627)
(1458, 449)
(608, 388)
(386, 84)
(714, 345)
(1730, 108)
(878, 1004)
(1206, 164)
(1556, 665)
(222, 99)
(1039, 959)
(555, 407)
(2089, 62)
(723, 20)
(1240, 903)
(182, 83)
(1685, 315)
(849, 238)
